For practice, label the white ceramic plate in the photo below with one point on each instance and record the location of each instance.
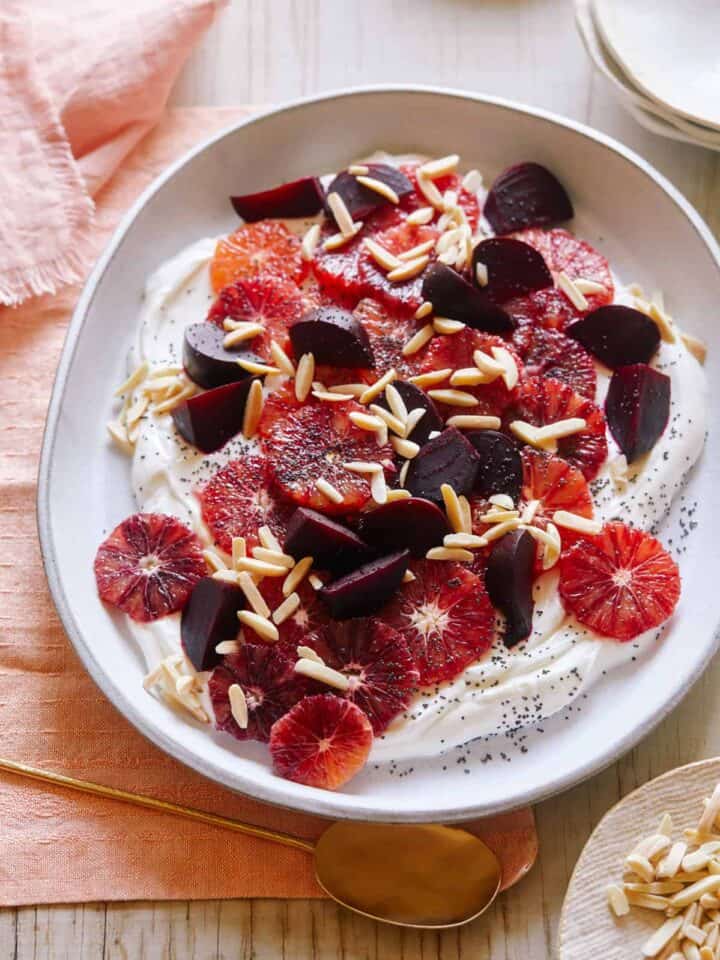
(623, 206)
(669, 49)
(587, 927)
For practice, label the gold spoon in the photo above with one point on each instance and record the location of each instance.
(412, 875)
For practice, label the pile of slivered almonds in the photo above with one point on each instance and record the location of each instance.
(681, 880)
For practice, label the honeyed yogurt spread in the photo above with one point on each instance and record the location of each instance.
(506, 688)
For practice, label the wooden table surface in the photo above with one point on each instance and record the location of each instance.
(267, 52)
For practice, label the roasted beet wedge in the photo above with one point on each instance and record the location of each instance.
(366, 589)
(210, 419)
(513, 268)
(300, 198)
(334, 337)
(509, 579)
(526, 195)
(361, 200)
(207, 362)
(453, 296)
(209, 617)
(449, 458)
(333, 546)
(500, 464)
(617, 335)
(637, 407)
(413, 398)
(413, 524)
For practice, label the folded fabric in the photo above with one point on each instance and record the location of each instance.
(80, 84)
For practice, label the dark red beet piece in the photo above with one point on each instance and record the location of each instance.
(500, 464)
(617, 335)
(210, 419)
(360, 200)
(334, 337)
(637, 407)
(509, 580)
(453, 296)
(526, 195)
(299, 198)
(414, 397)
(366, 589)
(207, 362)
(209, 617)
(449, 458)
(413, 524)
(514, 268)
(333, 546)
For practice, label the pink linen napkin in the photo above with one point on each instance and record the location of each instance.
(81, 82)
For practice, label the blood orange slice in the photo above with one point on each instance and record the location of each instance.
(549, 353)
(619, 583)
(148, 566)
(405, 296)
(265, 247)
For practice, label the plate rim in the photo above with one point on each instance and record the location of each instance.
(315, 801)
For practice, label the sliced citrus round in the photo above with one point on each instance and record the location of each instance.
(620, 583)
(322, 742)
(445, 617)
(466, 200)
(265, 247)
(388, 335)
(148, 566)
(549, 353)
(401, 296)
(305, 625)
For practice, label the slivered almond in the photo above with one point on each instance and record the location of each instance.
(499, 530)
(366, 421)
(420, 216)
(308, 653)
(695, 891)
(569, 288)
(381, 256)
(413, 418)
(432, 377)
(136, 410)
(375, 389)
(423, 310)
(261, 567)
(134, 380)
(239, 334)
(470, 421)
(617, 900)
(650, 901)
(286, 609)
(661, 887)
(238, 705)
(377, 186)
(310, 240)
(315, 581)
(396, 402)
(472, 181)
(418, 340)
(214, 560)
(304, 376)
(526, 432)
(433, 169)
(273, 556)
(446, 553)
(452, 508)
(468, 377)
(502, 500)
(362, 466)
(510, 371)
(563, 518)
(328, 397)
(405, 448)
(485, 363)
(378, 487)
(697, 347)
(395, 423)
(119, 436)
(323, 673)
(227, 646)
(409, 269)
(408, 576)
(402, 476)
(259, 369)
(226, 576)
(268, 539)
(281, 359)
(296, 576)
(710, 812)
(467, 541)
(561, 428)
(465, 513)
(253, 409)
(528, 514)
(351, 389)
(341, 214)
(239, 549)
(481, 274)
(189, 391)
(499, 516)
(446, 326)
(338, 240)
(431, 193)
(588, 286)
(416, 251)
(662, 937)
(261, 625)
(393, 495)
(253, 595)
(328, 490)
(664, 322)
(453, 398)
(358, 169)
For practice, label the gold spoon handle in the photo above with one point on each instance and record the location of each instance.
(190, 813)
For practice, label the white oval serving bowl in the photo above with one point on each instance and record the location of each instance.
(650, 234)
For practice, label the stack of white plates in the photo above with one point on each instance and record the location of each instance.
(662, 59)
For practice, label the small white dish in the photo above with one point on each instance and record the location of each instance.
(623, 205)
(669, 49)
(587, 927)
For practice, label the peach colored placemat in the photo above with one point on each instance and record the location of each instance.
(58, 846)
